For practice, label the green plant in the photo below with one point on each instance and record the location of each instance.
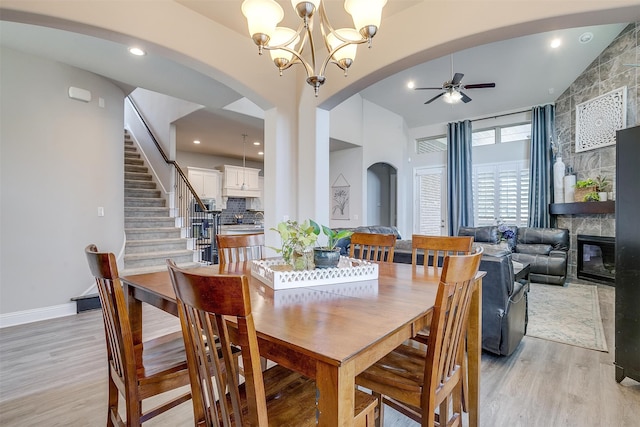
(592, 197)
(585, 183)
(333, 237)
(296, 238)
(602, 183)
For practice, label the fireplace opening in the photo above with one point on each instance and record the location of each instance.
(597, 258)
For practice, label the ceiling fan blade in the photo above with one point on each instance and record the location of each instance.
(457, 77)
(479, 85)
(465, 98)
(434, 98)
(423, 88)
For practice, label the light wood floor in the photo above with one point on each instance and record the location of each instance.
(53, 374)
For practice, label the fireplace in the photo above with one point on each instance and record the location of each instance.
(597, 258)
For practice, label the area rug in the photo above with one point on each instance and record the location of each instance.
(567, 314)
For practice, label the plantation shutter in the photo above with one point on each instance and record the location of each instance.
(429, 209)
(501, 190)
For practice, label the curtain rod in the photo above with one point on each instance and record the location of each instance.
(501, 115)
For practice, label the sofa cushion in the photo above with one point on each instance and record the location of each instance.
(487, 234)
(403, 246)
(534, 249)
(493, 249)
(557, 237)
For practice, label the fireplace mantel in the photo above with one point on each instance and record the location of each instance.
(582, 208)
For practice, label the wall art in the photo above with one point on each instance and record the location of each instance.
(340, 194)
(598, 119)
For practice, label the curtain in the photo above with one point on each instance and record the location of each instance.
(459, 175)
(541, 168)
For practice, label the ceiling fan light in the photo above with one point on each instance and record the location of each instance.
(452, 97)
(365, 14)
(347, 54)
(281, 36)
(262, 17)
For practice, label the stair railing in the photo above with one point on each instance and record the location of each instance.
(198, 221)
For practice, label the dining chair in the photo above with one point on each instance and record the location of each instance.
(373, 247)
(239, 247)
(414, 379)
(275, 397)
(438, 246)
(135, 371)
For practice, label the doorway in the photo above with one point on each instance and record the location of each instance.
(382, 186)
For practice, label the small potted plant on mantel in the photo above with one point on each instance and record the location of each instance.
(586, 191)
(602, 187)
(328, 256)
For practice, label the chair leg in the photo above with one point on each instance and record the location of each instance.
(263, 363)
(379, 420)
(112, 408)
(464, 365)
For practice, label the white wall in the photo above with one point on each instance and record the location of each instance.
(60, 159)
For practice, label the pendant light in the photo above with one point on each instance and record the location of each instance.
(244, 161)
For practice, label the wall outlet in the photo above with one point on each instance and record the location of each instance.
(100, 211)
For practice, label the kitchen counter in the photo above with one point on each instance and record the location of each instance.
(241, 229)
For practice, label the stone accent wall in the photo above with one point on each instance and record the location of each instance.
(606, 73)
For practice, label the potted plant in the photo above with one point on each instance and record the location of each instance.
(297, 242)
(602, 186)
(328, 256)
(584, 187)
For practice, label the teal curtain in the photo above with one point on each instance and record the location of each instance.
(459, 176)
(541, 167)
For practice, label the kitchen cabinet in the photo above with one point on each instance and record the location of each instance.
(235, 176)
(206, 183)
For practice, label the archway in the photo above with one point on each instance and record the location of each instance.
(382, 184)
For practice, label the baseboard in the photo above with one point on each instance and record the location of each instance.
(37, 314)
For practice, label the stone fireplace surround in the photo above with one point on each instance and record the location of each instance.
(606, 73)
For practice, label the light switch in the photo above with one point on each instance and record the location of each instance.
(100, 211)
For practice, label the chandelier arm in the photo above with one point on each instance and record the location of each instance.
(330, 56)
(298, 56)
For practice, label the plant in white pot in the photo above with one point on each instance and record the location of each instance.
(297, 242)
(328, 256)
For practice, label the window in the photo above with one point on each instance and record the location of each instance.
(501, 134)
(501, 190)
(431, 145)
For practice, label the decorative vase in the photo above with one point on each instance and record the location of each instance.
(558, 181)
(569, 188)
(326, 258)
(302, 260)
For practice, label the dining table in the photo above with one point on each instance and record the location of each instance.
(331, 333)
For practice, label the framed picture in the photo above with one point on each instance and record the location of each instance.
(598, 119)
(340, 195)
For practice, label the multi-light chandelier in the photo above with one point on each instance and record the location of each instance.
(263, 17)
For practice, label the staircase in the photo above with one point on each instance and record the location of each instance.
(152, 236)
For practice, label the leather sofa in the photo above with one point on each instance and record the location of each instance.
(544, 249)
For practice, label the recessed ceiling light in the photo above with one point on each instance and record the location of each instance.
(256, 143)
(585, 37)
(411, 85)
(196, 142)
(555, 43)
(137, 51)
(260, 153)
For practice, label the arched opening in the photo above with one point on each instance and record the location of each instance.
(382, 185)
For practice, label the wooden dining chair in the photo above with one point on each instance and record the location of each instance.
(373, 247)
(135, 371)
(435, 248)
(275, 397)
(414, 379)
(239, 247)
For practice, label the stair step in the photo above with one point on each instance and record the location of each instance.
(145, 246)
(155, 268)
(131, 154)
(142, 212)
(135, 169)
(152, 233)
(149, 222)
(145, 202)
(157, 258)
(142, 192)
(133, 162)
(134, 183)
(138, 176)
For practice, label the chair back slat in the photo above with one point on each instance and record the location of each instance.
(435, 248)
(118, 335)
(449, 321)
(234, 248)
(373, 247)
(205, 304)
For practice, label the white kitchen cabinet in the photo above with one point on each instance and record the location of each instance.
(235, 176)
(206, 183)
(256, 203)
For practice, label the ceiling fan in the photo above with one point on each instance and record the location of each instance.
(452, 90)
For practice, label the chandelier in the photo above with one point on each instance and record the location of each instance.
(284, 44)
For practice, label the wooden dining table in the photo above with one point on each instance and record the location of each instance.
(331, 333)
